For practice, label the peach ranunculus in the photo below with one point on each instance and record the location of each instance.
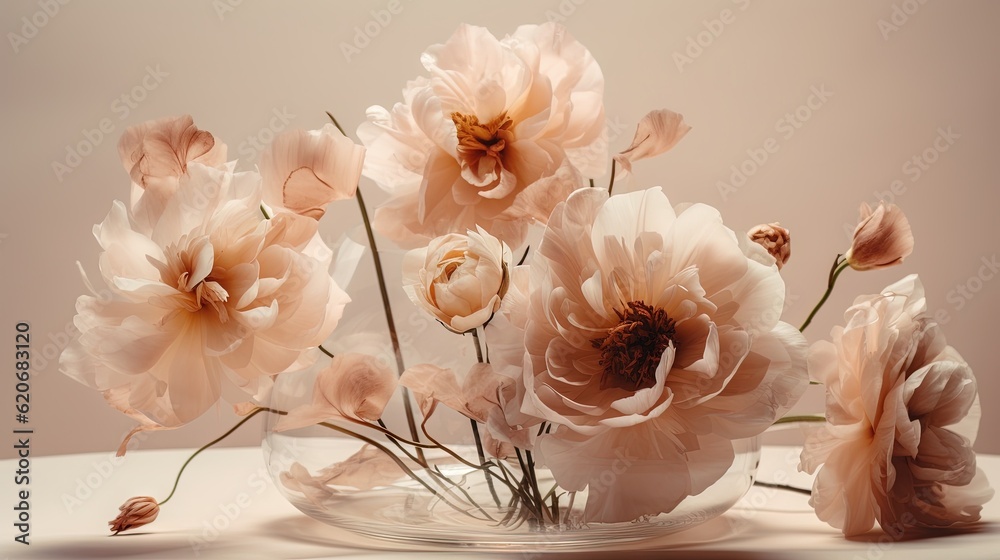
(458, 279)
(882, 238)
(156, 154)
(354, 386)
(652, 340)
(212, 300)
(499, 133)
(902, 412)
(303, 171)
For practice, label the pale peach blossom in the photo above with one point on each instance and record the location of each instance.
(903, 412)
(882, 238)
(156, 154)
(212, 301)
(476, 396)
(303, 171)
(498, 133)
(458, 279)
(656, 133)
(353, 386)
(369, 468)
(775, 239)
(134, 513)
(651, 341)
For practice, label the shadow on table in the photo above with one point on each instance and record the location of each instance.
(696, 543)
(131, 545)
(878, 537)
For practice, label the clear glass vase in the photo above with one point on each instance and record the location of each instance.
(451, 504)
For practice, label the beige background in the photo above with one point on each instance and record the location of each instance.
(898, 75)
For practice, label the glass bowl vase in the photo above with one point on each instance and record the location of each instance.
(450, 504)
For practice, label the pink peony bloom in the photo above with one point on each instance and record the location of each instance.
(211, 300)
(303, 171)
(651, 341)
(156, 154)
(881, 239)
(497, 135)
(458, 279)
(354, 386)
(902, 412)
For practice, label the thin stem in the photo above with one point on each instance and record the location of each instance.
(390, 322)
(204, 447)
(838, 267)
(591, 183)
(395, 459)
(805, 491)
(524, 256)
(611, 184)
(475, 426)
(803, 418)
(264, 212)
(325, 351)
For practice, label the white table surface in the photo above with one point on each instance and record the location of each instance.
(74, 496)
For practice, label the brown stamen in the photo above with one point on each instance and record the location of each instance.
(631, 351)
(488, 139)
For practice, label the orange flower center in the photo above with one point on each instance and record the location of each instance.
(489, 139)
(631, 351)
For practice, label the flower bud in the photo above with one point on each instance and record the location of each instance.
(882, 238)
(775, 239)
(134, 513)
(458, 279)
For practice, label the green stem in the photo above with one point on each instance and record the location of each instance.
(204, 447)
(611, 184)
(390, 322)
(838, 267)
(802, 418)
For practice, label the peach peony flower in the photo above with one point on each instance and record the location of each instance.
(496, 135)
(651, 341)
(353, 386)
(656, 133)
(882, 238)
(476, 397)
(775, 239)
(458, 279)
(211, 300)
(156, 154)
(902, 412)
(303, 171)
(134, 513)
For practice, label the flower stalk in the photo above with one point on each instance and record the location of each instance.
(839, 265)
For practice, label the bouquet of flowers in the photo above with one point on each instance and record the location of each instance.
(636, 335)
